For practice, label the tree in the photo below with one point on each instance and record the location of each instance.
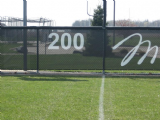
(82, 23)
(94, 41)
(125, 23)
(97, 17)
(130, 23)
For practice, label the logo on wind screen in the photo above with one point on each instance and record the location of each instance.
(133, 51)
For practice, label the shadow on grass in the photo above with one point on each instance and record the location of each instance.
(82, 78)
(50, 78)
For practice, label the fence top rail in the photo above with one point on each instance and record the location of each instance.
(82, 28)
(57, 27)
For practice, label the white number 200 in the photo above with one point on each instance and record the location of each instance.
(66, 47)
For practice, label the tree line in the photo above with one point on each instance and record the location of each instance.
(127, 23)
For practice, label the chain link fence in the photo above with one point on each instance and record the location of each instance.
(79, 48)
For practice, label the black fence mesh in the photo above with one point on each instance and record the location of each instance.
(80, 49)
(11, 43)
(73, 49)
(134, 49)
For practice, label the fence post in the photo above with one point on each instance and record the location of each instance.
(25, 49)
(104, 34)
(114, 24)
(25, 34)
(45, 44)
(37, 50)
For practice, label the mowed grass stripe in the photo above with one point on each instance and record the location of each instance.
(101, 109)
(49, 98)
(132, 98)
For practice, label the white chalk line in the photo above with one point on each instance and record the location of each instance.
(101, 109)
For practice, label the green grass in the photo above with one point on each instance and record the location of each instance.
(76, 62)
(77, 98)
(10, 47)
(153, 37)
(49, 98)
(132, 98)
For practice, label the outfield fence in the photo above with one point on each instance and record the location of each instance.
(80, 48)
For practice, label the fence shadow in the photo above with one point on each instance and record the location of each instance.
(50, 78)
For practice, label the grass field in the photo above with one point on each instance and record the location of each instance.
(77, 98)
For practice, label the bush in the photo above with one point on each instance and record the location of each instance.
(124, 51)
(141, 53)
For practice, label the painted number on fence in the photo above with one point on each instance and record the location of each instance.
(69, 39)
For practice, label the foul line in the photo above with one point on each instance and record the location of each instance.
(101, 110)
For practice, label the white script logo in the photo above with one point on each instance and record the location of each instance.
(133, 51)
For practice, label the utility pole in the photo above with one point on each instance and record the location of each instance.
(24, 35)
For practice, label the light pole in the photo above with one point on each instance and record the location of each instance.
(24, 13)
(114, 13)
(114, 23)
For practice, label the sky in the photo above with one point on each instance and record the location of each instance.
(65, 12)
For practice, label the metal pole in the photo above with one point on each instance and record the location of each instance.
(25, 35)
(114, 24)
(104, 34)
(24, 13)
(37, 50)
(45, 44)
